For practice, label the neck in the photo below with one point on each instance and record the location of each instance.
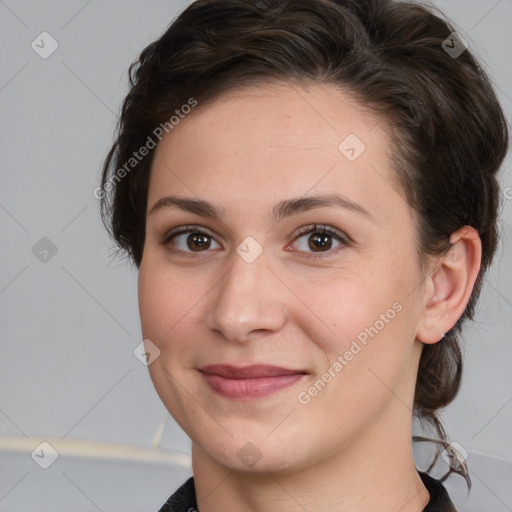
(376, 471)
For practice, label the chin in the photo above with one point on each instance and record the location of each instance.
(256, 456)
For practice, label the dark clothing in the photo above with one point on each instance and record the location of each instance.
(184, 499)
(439, 499)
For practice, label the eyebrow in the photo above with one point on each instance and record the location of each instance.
(281, 210)
(197, 206)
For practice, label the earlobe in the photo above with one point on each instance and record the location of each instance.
(449, 286)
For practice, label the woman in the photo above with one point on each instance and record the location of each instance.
(308, 189)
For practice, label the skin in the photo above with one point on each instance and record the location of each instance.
(348, 448)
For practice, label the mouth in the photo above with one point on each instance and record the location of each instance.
(249, 382)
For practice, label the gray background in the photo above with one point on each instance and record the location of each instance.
(69, 325)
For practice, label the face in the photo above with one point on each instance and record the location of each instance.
(276, 238)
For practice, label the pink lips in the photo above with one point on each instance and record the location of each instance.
(249, 382)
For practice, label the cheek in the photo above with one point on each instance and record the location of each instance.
(166, 308)
(164, 301)
(367, 351)
(365, 327)
(344, 308)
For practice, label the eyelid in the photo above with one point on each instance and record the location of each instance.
(322, 228)
(342, 237)
(304, 230)
(185, 229)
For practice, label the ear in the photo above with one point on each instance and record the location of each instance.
(449, 285)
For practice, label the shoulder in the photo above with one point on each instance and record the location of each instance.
(183, 499)
(439, 498)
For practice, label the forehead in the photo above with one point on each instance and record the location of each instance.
(261, 142)
(282, 114)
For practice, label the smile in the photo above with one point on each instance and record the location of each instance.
(249, 382)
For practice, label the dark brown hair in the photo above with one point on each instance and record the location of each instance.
(447, 129)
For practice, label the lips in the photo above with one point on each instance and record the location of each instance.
(249, 382)
(248, 372)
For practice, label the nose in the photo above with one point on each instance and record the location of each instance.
(246, 301)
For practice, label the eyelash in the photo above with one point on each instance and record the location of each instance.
(324, 230)
(311, 229)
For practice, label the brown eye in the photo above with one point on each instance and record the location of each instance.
(319, 239)
(320, 242)
(190, 239)
(198, 241)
